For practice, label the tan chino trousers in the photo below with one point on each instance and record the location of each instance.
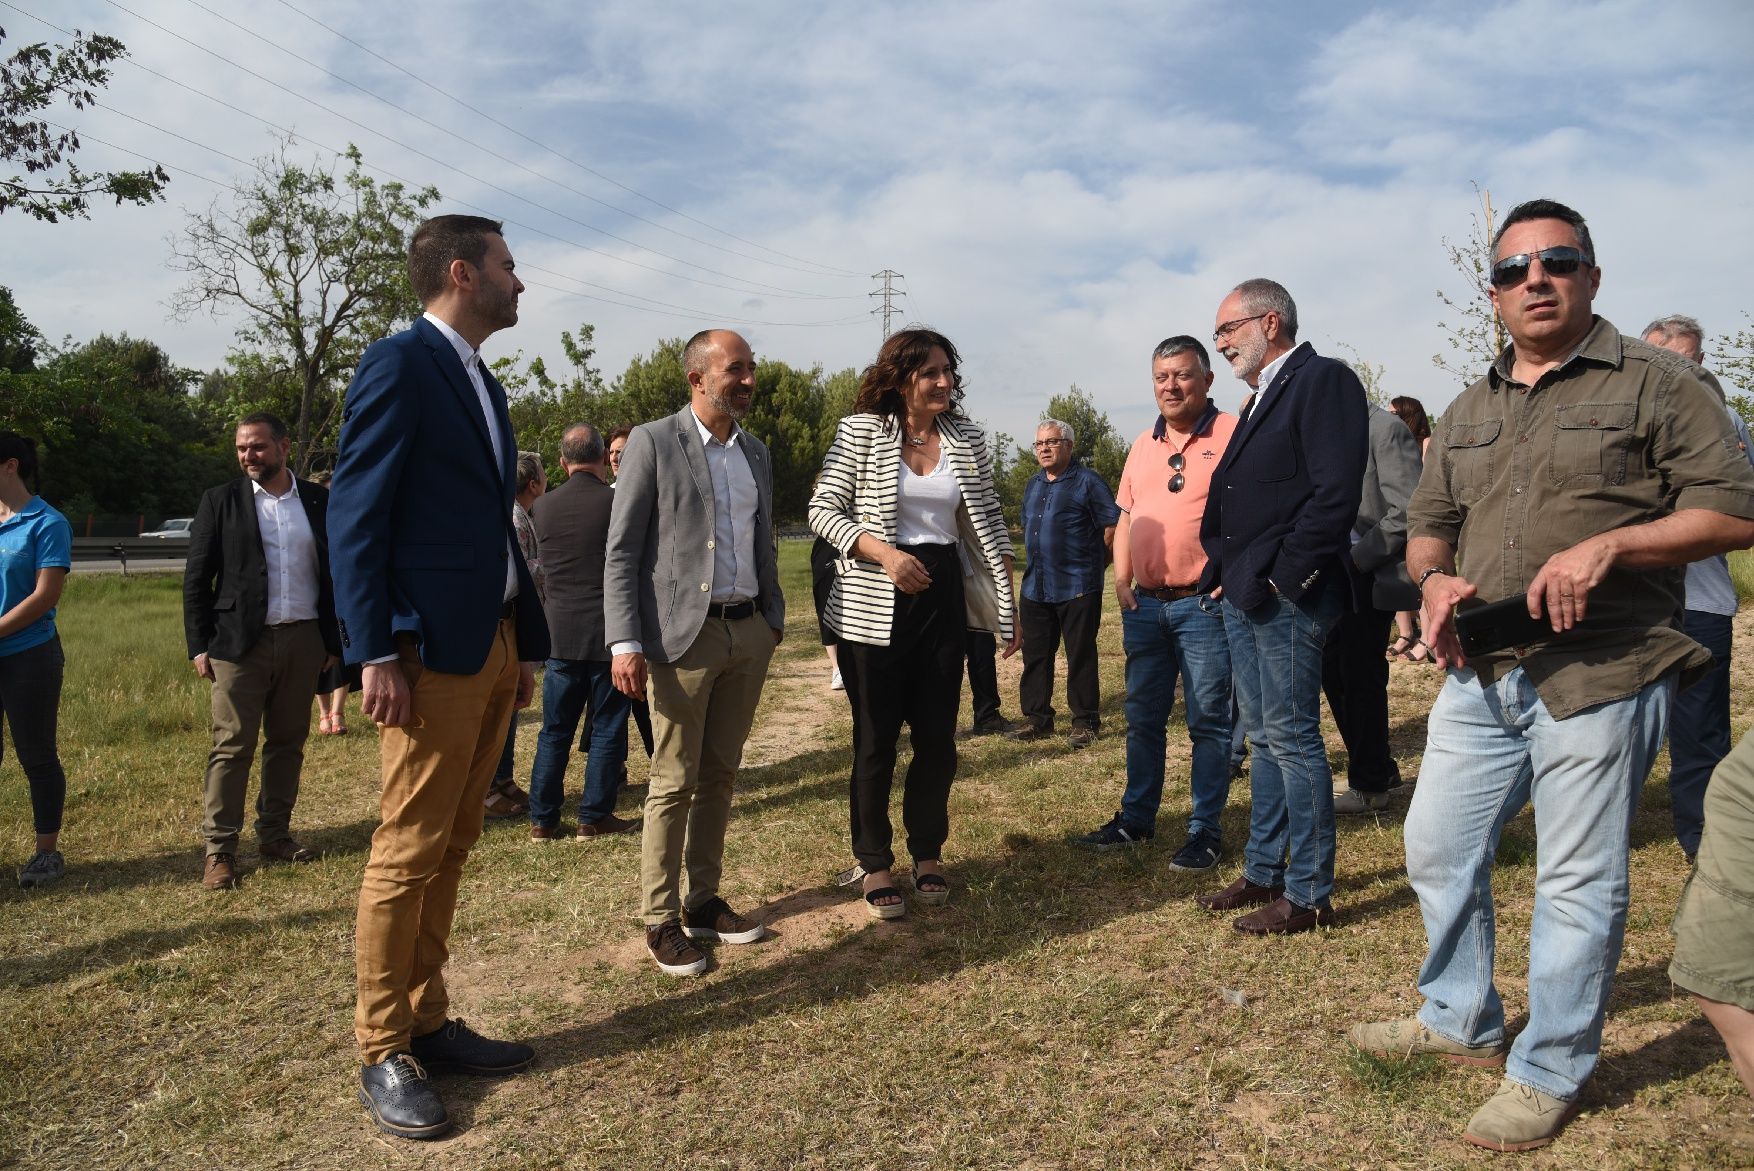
(703, 705)
(436, 772)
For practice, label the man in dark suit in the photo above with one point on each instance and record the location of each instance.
(259, 617)
(436, 602)
(692, 589)
(1355, 670)
(1276, 531)
(572, 529)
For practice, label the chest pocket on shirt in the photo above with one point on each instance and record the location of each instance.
(1591, 443)
(1469, 448)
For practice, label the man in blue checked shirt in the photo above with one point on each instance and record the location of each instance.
(1069, 518)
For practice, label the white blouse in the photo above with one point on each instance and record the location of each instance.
(925, 512)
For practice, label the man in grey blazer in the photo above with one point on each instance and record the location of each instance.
(1355, 671)
(692, 602)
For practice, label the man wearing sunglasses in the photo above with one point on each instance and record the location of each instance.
(1575, 431)
(1277, 533)
(1169, 627)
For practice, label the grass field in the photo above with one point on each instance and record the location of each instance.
(1064, 1011)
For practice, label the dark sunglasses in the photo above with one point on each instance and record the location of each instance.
(1176, 464)
(1514, 270)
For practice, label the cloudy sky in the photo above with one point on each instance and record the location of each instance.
(1060, 185)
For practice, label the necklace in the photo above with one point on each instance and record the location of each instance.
(920, 439)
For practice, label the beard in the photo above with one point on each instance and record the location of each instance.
(1251, 355)
(263, 472)
(728, 404)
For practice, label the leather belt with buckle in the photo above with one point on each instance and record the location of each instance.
(731, 611)
(1167, 593)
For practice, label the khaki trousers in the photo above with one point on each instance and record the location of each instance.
(436, 772)
(703, 705)
(267, 692)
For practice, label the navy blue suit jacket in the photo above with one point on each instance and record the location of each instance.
(420, 515)
(1286, 493)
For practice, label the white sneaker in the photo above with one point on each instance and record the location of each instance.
(835, 682)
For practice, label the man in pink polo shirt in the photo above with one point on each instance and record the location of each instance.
(1171, 630)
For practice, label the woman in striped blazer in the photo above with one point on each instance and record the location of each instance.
(906, 497)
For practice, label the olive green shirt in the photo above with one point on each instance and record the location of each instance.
(1620, 433)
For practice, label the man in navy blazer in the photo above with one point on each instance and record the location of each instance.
(434, 599)
(1276, 531)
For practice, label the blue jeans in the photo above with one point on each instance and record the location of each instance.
(1490, 751)
(1165, 641)
(567, 686)
(1276, 659)
(1699, 727)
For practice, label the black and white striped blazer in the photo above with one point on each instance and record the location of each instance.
(856, 493)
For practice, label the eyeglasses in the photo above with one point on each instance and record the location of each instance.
(1514, 270)
(1176, 464)
(1230, 327)
(1041, 443)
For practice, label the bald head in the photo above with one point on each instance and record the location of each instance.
(697, 354)
(581, 448)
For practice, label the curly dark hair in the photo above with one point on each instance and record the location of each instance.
(882, 387)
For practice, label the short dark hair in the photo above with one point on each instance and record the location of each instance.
(621, 432)
(1412, 413)
(694, 353)
(21, 448)
(1169, 347)
(1547, 209)
(439, 241)
(882, 385)
(276, 426)
(580, 444)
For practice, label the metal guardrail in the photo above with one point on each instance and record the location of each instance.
(123, 548)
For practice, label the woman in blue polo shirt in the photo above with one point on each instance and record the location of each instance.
(35, 554)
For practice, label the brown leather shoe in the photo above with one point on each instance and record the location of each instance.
(220, 872)
(1239, 894)
(546, 833)
(286, 850)
(505, 799)
(1284, 917)
(606, 826)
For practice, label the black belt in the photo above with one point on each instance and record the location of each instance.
(1167, 593)
(731, 611)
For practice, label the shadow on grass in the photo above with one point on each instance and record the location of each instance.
(1687, 1050)
(136, 947)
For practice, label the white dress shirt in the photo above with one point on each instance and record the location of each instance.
(471, 358)
(290, 549)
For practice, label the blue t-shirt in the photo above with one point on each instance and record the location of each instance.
(1063, 521)
(37, 537)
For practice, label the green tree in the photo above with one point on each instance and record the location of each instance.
(1370, 374)
(542, 409)
(652, 386)
(317, 264)
(1095, 442)
(1474, 332)
(32, 80)
(1732, 357)
(19, 339)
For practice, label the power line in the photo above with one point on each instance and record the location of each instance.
(756, 287)
(889, 293)
(687, 314)
(828, 269)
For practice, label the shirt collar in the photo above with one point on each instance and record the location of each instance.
(1271, 370)
(1202, 427)
(257, 489)
(1601, 344)
(706, 435)
(32, 506)
(466, 353)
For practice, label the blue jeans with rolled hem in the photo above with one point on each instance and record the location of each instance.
(1276, 663)
(567, 686)
(1489, 751)
(1699, 727)
(1166, 641)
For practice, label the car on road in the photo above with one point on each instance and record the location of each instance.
(172, 530)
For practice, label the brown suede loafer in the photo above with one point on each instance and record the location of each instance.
(1284, 917)
(1239, 894)
(286, 850)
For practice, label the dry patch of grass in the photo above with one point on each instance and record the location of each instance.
(1064, 1010)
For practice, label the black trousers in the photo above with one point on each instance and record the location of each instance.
(1355, 676)
(30, 700)
(1045, 626)
(983, 675)
(916, 680)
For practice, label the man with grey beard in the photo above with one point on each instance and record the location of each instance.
(1277, 533)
